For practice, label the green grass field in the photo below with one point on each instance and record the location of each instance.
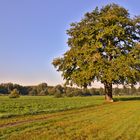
(78, 118)
(29, 105)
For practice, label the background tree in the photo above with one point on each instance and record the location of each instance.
(33, 92)
(58, 91)
(42, 89)
(103, 47)
(116, 91)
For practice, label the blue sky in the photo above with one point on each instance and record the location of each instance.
(33, 33)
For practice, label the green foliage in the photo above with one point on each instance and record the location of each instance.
(126, 90)
(58, 95)
(14, 94)
(58, 91)
(51, 90)
(116, 91)
(32, 92)
(42, 89)
(104, 46)
(75, 92)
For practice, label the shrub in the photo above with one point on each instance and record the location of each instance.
(51, 91)
(32, 92)
(86, 92)
(77, 92)
(70, 94)
(43, 92)
(58, 95)
(58, 91)
(14, 94)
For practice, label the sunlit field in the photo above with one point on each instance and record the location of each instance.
(26, 105)
(78, 118)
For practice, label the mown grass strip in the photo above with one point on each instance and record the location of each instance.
(106, 122)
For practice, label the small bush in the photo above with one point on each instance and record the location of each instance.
(14, 94)
(58, 95)
(51, 91)
(76, 92)
(43, 92)
(32, 92)
(70, 94)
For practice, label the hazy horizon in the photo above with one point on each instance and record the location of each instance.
(33, 33)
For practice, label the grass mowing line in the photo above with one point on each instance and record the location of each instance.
(47, 116)
(125, 121)
(99, 122)
(5, 133)
(98, 126)
(85, 113)
(58, 115)
(133, 127)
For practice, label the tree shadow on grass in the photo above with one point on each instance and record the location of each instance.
(116, 99)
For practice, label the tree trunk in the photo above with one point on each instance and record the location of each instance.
(108, 92)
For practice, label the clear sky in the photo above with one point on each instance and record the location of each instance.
(33, 33)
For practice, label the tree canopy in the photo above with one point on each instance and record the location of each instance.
(104, 46)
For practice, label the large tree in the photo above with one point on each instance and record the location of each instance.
(104, 46)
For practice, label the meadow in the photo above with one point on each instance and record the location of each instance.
(29, 105)
(77, 118)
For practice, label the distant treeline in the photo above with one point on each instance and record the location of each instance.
(60, 91)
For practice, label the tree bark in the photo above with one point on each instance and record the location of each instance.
(108, 92)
